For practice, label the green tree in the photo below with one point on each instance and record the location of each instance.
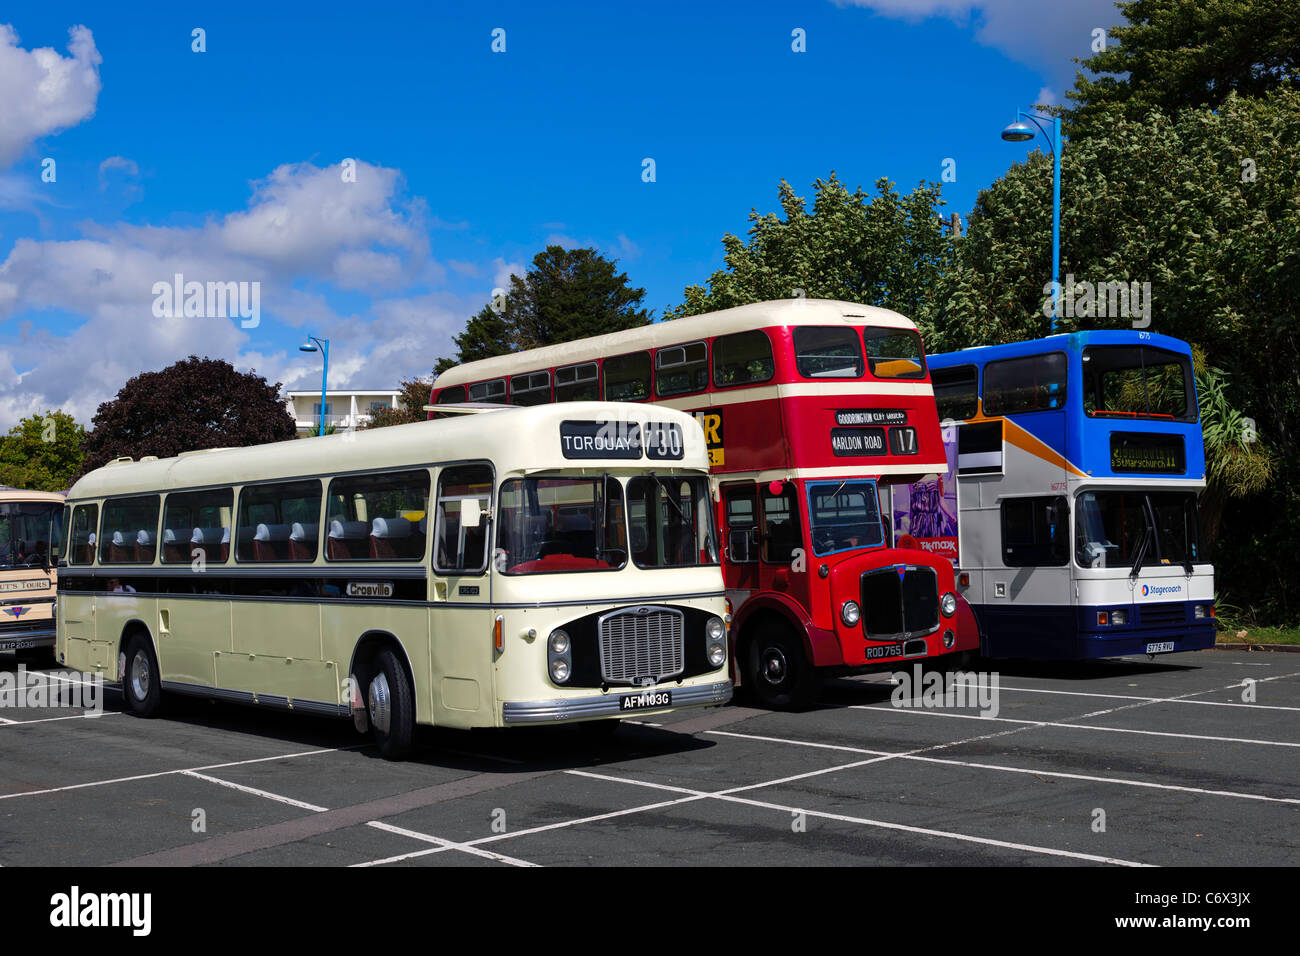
(42, 452)
(196, 403)
(410, 405)
(1173, 54)
(567, 294)
(886, 250)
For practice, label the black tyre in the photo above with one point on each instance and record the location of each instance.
(778, 673)
(141, 682)
(390, 702)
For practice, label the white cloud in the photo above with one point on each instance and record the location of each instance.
(42, 92)
(304, 232)
(502, 271)
(1043, 36)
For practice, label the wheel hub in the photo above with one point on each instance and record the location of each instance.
(774, 667)
(379, 700)
(140, 676)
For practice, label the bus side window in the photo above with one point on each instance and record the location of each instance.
(956, 392)
(461, 548)
(1035, 532)
(81, 549)
(742, 523)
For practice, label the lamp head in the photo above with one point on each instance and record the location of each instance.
(307, 346)
(1018, 132)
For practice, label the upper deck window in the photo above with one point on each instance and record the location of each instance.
(448, 396)
(627, 377)
(577, 383)
(1137, 382)
(894, 353)
(493, 391)
(742, 359)
(681, 369)
(1035, 383)
(531, 388)
(956, 392)
(827, 351)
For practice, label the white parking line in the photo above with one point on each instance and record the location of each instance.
(1024, 770)
(1112, 730)
(864, 821)
(445, 845)
(89, 715)
(1150, 700)
(255, 792)
(168, 773)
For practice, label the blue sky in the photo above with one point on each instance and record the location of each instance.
(226, 165)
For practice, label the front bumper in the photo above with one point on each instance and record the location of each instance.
(28, 638)
(608, 705)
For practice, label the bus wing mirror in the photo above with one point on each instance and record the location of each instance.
(471, 513)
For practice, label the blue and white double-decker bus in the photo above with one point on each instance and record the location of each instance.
(1079, 462)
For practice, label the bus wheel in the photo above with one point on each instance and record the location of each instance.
(141, 683)
(779, 673)
(391, 706)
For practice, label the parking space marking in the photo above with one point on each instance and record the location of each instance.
(89, 715)
(1150, 700)
(6, 720)
(1111, 730)
(168, 773)
(449, 844)
(1038, 773)
(255, 792)
(726, 795)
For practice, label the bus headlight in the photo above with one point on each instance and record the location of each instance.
(850, 613)
(559, 655)
(1119, 616)
(715, 636)
(948, 604)
(1201, 611)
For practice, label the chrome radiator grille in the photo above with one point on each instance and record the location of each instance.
(641, 645)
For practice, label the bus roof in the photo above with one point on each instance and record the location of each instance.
(19, 494)
(1070, 342)
(514, 438)
(691, 328)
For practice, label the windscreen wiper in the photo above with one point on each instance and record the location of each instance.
(1141, 551)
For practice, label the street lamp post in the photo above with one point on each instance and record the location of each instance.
(324, 345)
(1019, 132)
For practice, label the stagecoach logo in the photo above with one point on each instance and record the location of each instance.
(370, 589)
(31, 584)
(1161, 589)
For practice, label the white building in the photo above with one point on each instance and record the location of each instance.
(345, 409)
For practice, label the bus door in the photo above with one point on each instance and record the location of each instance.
(740, 540)
(1031, 612)
(460, 589)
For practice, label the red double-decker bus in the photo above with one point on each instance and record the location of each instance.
(814, 411)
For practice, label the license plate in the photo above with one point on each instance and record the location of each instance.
(884, 650)
(654, 698)
(16, 645)
(1162, 648)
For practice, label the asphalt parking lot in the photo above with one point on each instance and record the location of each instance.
(1125, 762)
